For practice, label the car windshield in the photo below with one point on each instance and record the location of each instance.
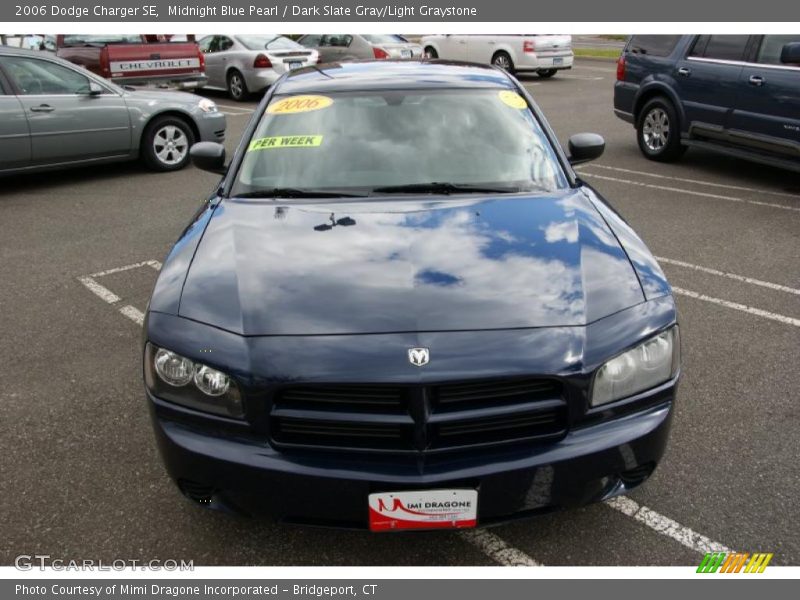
(365, 141)
(267, 41)
(385, 39)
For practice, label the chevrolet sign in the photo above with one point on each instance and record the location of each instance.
(164, 64)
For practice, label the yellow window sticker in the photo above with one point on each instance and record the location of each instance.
(299, 104)
(513, 99)
(285, 141)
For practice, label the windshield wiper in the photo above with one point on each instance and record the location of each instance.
(287, 192)
(437, 187)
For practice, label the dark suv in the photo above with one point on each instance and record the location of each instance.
(735, 94)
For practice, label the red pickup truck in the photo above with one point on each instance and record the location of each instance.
(137, 59)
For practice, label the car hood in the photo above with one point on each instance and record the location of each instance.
(319, 268)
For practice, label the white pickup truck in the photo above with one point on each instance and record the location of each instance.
(543, 54)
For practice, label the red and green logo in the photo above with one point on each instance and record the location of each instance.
(734, 562)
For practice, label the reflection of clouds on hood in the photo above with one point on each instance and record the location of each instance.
(397, 271)
(563, 231)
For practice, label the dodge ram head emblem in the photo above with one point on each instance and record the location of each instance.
(419, 357)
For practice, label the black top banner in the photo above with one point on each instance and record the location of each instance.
(451, 11)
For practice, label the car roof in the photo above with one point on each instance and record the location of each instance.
(392, 74)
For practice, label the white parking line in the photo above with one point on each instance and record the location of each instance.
(734, 276)
(697, 181)
(582, 78)
(237, 109)
(741, 307)
(497, 549)
(149, 263)
(100, 291)
(133, 313)
(691, 192)
(665, 526)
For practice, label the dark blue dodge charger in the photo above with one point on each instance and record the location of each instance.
(401, 309)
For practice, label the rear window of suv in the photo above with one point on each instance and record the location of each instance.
(653, 45)
(720, 47)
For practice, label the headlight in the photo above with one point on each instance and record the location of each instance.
(210, 381)
(649, 364)
(207, 105)
(173, 368)
(177, 379)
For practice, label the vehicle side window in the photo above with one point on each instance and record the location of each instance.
(311, 41)
(225, 43)
(653, 45)
(721, 47)
(205, 44)
(339, 41)
(770, 51)
(36, 77)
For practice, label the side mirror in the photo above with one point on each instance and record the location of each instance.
(209, 156)
(95, 89)
(790, 54)
(584, 147)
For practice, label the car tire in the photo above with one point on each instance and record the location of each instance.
(165, 143)
(237, 86)
(658, 131)
(503, 60)
(546, 73)
(430, 52)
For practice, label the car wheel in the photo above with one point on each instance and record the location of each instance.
(430, 52)
(166, 143)
(658, 131)
(237, 87)
(503, 60)
(546, 73)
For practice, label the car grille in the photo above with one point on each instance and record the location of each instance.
(418, 419)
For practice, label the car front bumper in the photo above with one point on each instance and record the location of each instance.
(211, 126)
(245, 474)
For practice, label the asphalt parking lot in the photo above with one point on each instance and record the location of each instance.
(81, 477)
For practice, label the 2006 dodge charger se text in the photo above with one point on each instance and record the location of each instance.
(401, 309)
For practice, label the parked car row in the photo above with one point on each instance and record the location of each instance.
(245, 64)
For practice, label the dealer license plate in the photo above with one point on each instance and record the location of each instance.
(558, 61)
(431, 509)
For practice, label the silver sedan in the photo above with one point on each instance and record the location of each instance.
(54, 114)
(249, 63)
(344, 46)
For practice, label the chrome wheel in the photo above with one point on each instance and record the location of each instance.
(236, 85)
(655, 129)
(170, 145)
(503, 61)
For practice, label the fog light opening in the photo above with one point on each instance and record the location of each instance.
(197, 492)
(637, 476)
